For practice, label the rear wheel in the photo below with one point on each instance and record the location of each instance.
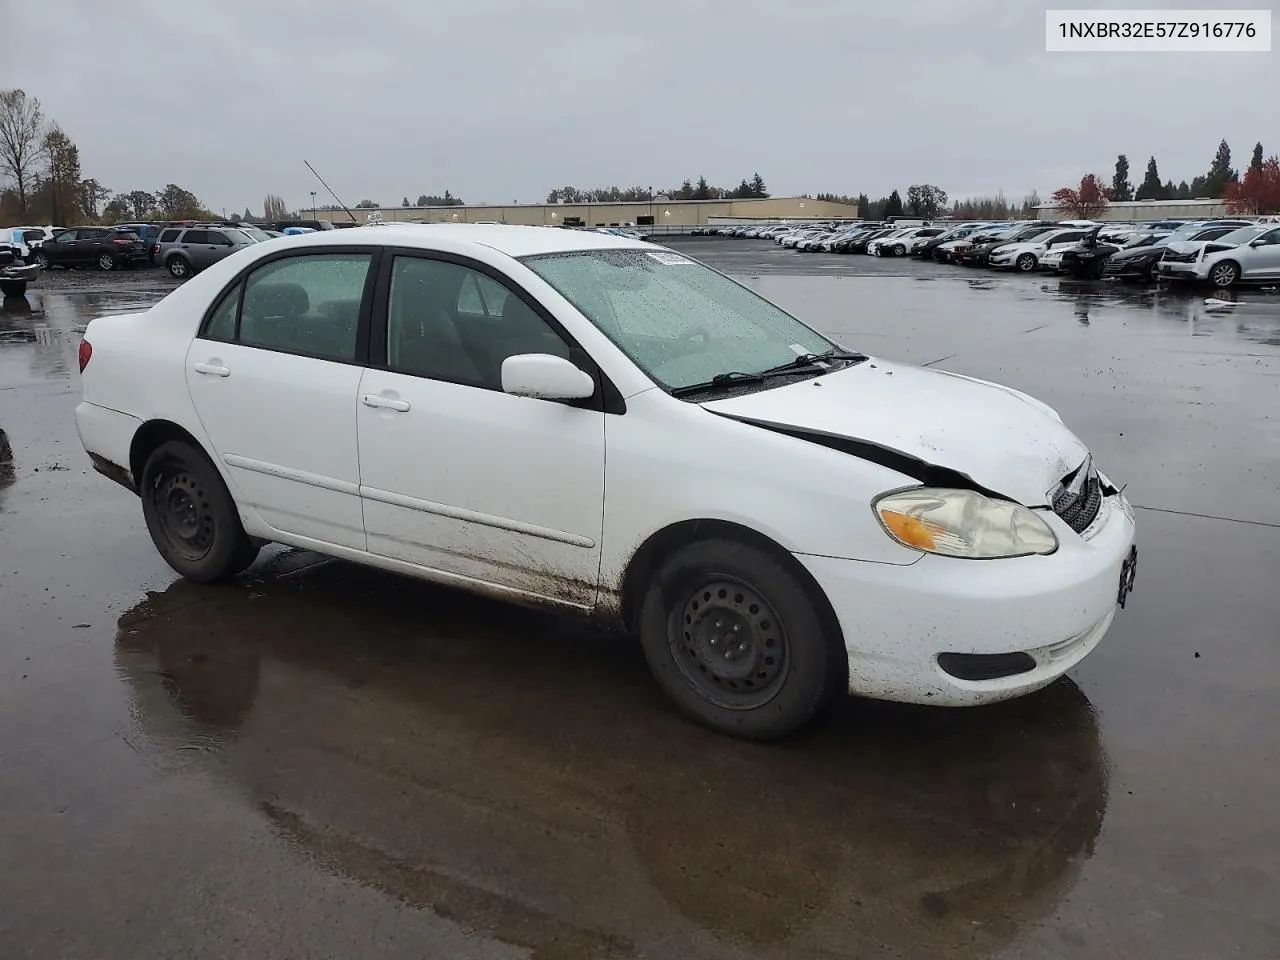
(738, 641)
(106, 261)
(190, 515)
(1224, 274)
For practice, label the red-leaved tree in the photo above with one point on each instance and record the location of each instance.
(1086, 202)
(1258, 191)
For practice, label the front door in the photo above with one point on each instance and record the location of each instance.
(274, 382)
(1263, 261)
(457, 475)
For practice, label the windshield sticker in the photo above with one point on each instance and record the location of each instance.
(668, 259)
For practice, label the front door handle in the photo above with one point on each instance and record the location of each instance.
(385, 403)
(211, 369)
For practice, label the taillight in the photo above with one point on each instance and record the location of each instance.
(86, 354)
(156, 248)
(121, 241)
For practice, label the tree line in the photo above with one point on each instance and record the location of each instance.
(753, 189)
(1256, 192)
(41, 178)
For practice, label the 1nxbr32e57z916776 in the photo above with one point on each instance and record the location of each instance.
(611, 429)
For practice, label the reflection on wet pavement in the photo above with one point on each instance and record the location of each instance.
(323, 760)
(467, 741)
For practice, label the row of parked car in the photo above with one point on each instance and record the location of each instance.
(1222, 252)
(182, 248)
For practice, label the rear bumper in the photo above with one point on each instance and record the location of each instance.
(107, 436)
(21, 274)
(1050, 611)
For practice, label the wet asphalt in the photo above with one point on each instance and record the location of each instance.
(326, 761)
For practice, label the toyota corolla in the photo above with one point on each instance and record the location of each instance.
(609, 428)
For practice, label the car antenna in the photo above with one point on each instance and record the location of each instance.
(331, 193)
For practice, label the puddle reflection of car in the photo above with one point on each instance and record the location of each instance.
(778, 518)
(1247, 255)
(402, 760)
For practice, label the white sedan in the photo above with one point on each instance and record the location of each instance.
(606, 427)
(1026, 255)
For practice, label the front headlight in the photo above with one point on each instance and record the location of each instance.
(963, 523)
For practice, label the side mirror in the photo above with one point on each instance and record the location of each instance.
(1260, 242)
(546, 377)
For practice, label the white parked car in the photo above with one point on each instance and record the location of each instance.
(1248, 254)
(873, 247)
(606, 427)
(1026, 255)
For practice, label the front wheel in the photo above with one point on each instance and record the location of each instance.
(13, 288)
(41, 260)
(178, 267)
(1224, 274)
(899, 250)
(190, 515)
(738, 641)
(1026, 262)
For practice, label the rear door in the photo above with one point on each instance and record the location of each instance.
(273, 376)
(194, 244)
(61, 248)
(89, 243)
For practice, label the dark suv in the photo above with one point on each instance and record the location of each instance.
(107, 248)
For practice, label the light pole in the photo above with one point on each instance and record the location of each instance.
(313, 204)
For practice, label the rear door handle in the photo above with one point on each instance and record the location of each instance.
(211, 369)
(385, 403)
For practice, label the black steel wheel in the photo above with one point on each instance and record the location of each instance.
(741, 640)
(190, 515)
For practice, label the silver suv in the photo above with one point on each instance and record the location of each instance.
(185, 250)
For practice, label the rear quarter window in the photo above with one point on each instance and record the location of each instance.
(169, 236)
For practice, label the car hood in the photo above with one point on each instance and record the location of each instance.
(1189, 246)
(1001, 439)
(1137, 253)
(1023, 247)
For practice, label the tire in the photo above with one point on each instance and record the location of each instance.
(1026, 262)
(106, 261)
(789, 660)
(899, 250)
(178, 267)
(41, 260)
(190, 515)
(1224, 274)
(13, 288)
(1153, 272)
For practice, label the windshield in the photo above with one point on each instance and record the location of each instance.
(680, 322)
(1243, 235)
(1142, 240)
(253, 233)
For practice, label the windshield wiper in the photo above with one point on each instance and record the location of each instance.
(814, 360)
(801, 364)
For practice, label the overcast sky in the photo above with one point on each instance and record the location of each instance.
(501, 100)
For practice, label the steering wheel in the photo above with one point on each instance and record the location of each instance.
(688, 333)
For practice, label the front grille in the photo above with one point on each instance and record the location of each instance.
(1171, 257)
(1078, 503)
(1113, 267)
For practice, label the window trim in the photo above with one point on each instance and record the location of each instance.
(361, 352)
(607, 397)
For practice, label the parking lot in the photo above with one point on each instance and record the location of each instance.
(325, 760)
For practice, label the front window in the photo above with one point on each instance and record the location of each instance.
(680, 322)
(1243, 235)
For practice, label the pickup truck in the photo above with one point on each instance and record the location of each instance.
(14, 274)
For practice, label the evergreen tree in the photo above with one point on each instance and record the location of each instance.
(1150, 187)
(893, 206)
(1121, 188)
(757, 186)
(1184, 191)
(1220, 172)
(702, 191)
(404, 202)
(864, 207)
(1256, 163)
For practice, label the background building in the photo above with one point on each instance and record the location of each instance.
(1203, 209)
(657, 213)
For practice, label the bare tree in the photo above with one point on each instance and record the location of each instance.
(273, 208)
(21, 139)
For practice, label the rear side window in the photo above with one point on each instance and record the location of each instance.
(196, 236)
(169, 236)
(222, 325)
(308, 305)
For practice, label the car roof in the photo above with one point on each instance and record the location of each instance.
(514, 241)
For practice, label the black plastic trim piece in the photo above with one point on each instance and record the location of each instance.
(985, 666)
(929, 474)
